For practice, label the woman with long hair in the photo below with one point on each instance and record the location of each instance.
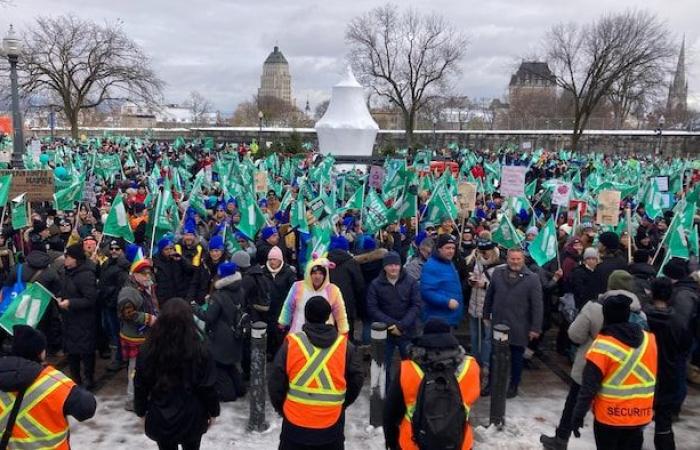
(175, 380)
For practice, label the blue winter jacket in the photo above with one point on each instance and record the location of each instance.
(438, 284)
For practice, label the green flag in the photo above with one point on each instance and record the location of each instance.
(5, 184)
(441, 205)
(20, 217)
(505, 235)
(286, 200)
(544, 247)
(297, 216)
(252, 218)
(531, 189)
(376, 213)
(117, 223)
(357, 199)
(64, 200)
(27, 308)
(693, 241)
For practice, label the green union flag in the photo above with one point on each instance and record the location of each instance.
(376, 213)
(252, 218)
(27, 308)
(64, 200)
(297, 216)
(20, 218)
(5, 184)
(544, 247)
(117, 223)
(505, 235)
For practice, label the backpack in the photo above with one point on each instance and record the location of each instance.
(240, 322)
(439, 418)
(262, 300)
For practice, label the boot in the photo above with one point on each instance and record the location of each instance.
(74, 366)
(512, 391)
(553, 442)
(89, 370)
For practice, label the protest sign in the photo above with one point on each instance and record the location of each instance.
(376, 177)
(561, 194)
(466, 193)
(261, 182)
(513, 181)
(576, 205)
(38, 184)
(608, 208)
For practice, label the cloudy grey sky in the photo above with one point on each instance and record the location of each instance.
(217, 47)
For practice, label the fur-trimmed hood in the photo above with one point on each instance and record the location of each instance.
(371, 256)
(227, 281)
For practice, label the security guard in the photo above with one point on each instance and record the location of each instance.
(619, 379)
(315, 376)
(437, 345)
(36, 398)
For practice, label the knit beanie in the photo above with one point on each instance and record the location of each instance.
(76, 252)
(226, 269)
(444, 239)
(621, 279)
(268, 232)
(275, 253)
(28, 343)
(391, 258)
(610, 240)
(164, 243)
(616, 309)
(436, 334)
(216, 243)
(676, 268)
(241, 258)
(317, 310)
(339, 242)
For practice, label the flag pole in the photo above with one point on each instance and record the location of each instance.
(628, 218)
(155, 220)
(556, 227)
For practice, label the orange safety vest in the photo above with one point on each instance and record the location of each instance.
(40, 423)
(411, 376)
(317, 382)
(626, 395)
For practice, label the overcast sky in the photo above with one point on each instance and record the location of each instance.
(217, 47)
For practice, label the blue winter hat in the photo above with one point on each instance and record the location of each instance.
(216, 243)
(339, 242)
(262, 203)
(281, 217)
(132, 251)
(369, 243)
(221, 206)
(190, 227)
(231, 201)
(420, 236)
(240, 236)
(349, 222)
(165, 243)
(226, 269)
(267, 232)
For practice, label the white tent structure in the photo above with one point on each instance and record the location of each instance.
(347, 127)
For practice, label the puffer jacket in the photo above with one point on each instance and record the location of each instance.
(440, 283)
(80, 320)
(113, 276)
(588, 324)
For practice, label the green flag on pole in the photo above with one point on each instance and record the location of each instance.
(117, 223)
(376, 213)
(297, 216)
(544, 248)
(27, 308)
(505, 235)
(252, 218)
(20, 217)
(5, 184)
(357, 199)
(64, 200)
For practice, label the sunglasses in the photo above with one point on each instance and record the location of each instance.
(115, 249)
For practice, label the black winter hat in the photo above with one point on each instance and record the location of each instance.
(317, 310)
(391, 258)
(616, 309)
(28, 343)
(641, 256)
(676, 268)
(610, 240)
(436, 334)
(75, 251)
(485, 244)
(444, 239)
(39, 226)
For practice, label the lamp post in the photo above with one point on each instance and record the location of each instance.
(659, 133)
(12, 47)
(434, 133)
(260, 119)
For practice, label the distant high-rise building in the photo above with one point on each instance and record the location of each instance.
(677, 105)
(275, 80)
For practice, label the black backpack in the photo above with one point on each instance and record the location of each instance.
(261, 298)
(439, 418)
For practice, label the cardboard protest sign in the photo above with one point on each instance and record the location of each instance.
(513, 181)
(466, 193)
(608, 208)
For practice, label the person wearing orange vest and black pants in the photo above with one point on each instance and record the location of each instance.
(315, 376)
(35, 398)
(619, 379)
(437, 346)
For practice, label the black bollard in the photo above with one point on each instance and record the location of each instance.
(257, 389)
(500, 374)
(377, 374)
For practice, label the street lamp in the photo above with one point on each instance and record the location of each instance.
(12, 48)
(659, 133)
(260, 119)
(434, 133)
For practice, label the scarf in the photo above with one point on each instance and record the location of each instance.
(274, 272)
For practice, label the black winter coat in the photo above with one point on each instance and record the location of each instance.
(203, 278)
(322, 336)
(113, 275)
(395, 304)
(172, 278)
(673, 343)
(371, 266)
(608, 265)
(180, 412)
(280, 286)
(348, 277)
(583, 285)
(37, 260)
(684, 300)
(219, 317)
(80, 320)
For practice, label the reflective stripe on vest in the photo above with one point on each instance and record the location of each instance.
(196, 259)
(29, 432)
(630, 362)
(300, 389)
(460, 372)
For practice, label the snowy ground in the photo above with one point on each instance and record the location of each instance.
(536, 410)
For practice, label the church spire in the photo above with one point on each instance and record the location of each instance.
(678, 91)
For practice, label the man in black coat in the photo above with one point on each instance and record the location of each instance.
(611, 259)
(347, 275)
(172, 272)
(77, 302)
(582, 278)
(114, 272)
(643, 273)
(673, 341)
(394, 299)
(322, 336)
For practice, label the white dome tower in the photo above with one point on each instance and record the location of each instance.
(347, 127)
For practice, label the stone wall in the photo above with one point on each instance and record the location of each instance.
(670, 142)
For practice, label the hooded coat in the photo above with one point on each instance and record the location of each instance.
(80, 320)
(292, 314)
(440, 283)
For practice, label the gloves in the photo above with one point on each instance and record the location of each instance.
(576, 425)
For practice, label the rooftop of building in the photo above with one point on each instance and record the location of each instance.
(276, 57)
(532, 69)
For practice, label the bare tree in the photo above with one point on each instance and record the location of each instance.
(404, 57)
(588, 60)
(276, 112)
(635, 91)
(79, 64)
(200, 108)
(321, 109)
